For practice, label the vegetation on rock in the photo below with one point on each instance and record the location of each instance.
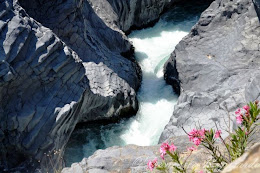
(235, 145)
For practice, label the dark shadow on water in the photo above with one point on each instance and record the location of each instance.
(186, 11)
(141, 56)
(90, 134)
(180, 17)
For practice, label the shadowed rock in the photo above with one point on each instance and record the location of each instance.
(60, 64)
(257, 7)
(50, 81)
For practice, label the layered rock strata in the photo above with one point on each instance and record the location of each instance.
(216, 68)
(62, 63)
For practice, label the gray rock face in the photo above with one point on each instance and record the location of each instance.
(216, 67)
(130, 158)
(125, 14)
(60, 64)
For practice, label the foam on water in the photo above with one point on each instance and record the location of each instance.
(153, 47)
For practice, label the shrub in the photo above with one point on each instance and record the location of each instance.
(235, 145)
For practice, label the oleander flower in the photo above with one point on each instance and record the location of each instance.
(202, 133)
(152, 164)
(239, 119)
(246, 108)
(166, 147)
(192, 148)
(196, 136)
(172, 148)
(197, 141)
(238, 111)
(217, 133)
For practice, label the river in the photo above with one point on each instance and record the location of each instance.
(153, 47)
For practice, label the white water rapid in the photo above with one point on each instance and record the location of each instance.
(153, 47)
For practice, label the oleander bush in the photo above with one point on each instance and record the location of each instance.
(235, 145)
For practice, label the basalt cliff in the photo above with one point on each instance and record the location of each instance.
(63, 62)
(68, 61)
(215, 68)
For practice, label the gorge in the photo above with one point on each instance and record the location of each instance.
(153, 47)
(69, 62)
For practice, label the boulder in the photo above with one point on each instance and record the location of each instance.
(134, 159)
(247, 163)
(216, 67)
(130, 158)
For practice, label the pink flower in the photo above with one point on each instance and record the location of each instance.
(238, 112)
(196, 141)
(200, 172)
(202, 133)
(192, 148)
(162, 155)
(217, 134)
(239, 119)
(246, 108)
(196, 136)
(192, 133)
(151, 164)
(164, 147)
(172, 148)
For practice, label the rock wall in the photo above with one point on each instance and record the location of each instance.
(127, 14)
(41, 86)
(216, 67)
(60, 64)
(111, 76)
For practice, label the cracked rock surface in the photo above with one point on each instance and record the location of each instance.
(216, 67)
(130, 158)
(126, 14)
(60, 64)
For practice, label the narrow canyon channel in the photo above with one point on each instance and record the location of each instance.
(153, 47)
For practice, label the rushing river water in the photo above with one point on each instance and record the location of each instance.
(153, 47)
